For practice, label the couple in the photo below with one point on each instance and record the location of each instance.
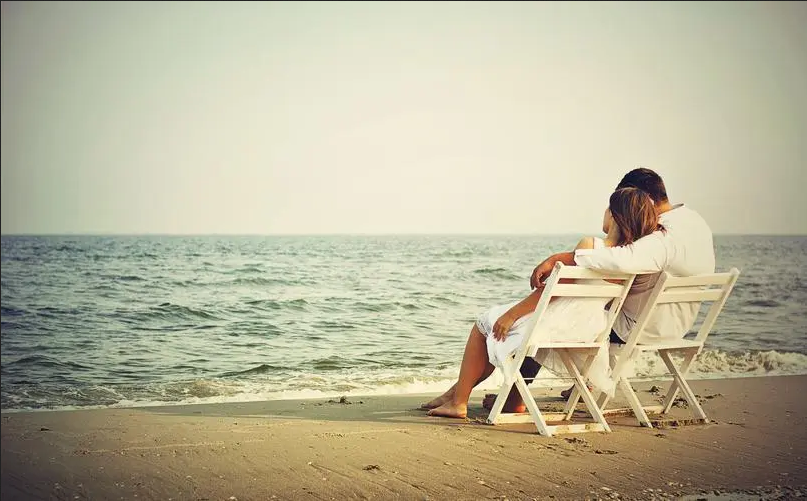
(645, 235)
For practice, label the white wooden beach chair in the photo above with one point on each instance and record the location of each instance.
(711, 288)
(532, 343)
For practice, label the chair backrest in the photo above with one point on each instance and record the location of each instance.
(712, 287)
(562, 283)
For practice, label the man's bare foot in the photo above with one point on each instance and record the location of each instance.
(490, 399)
(450, 409)
(568, 393)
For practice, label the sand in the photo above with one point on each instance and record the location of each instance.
(384, 448)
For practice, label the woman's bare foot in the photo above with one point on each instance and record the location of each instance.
(490, 399)
(450, 409)
(437, 402)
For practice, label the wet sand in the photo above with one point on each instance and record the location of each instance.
(385, 448)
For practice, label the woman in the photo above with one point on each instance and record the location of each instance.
(630, 216)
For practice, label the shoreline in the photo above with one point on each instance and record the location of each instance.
(548, 384)
(379, 447)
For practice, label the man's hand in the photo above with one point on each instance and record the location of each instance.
(503, 325)
(543, 270)
(540, 273)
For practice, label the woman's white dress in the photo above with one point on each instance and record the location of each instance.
(566, 319)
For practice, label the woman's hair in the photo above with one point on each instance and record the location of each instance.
(634, 214)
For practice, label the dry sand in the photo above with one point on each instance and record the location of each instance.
(384, 448)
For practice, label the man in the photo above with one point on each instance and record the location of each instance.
(683, 247)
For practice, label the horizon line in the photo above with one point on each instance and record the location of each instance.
(214, 234)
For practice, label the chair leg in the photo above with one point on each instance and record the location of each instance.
(683, 385)
(571, 403)
(508, 369)
(532, 406)
(618, 365)
(498, 405)
(580, 384)
(603, 400)
(673, 391)
(670, 397)
(633, 401)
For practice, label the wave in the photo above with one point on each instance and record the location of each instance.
(456, 253)
(329, 377)
(222, 390)
(497, 273)
(34, 361)
(716, 364)
(331, 363)
(70, 248)
(761, 363)
(260, 281)
(370, 307)
(11, 312)
(127, 278)
(271, 304)
(484, 271)
(385, 306)
(147, 255)
(763, 303)
(445, 300)
(260, 369)
(171, 311)
(54, 311)
(21, 259)
(251, 268)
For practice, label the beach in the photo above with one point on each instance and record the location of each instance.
(383, 447)
(243, 243)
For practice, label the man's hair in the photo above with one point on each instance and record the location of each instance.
(647, 181)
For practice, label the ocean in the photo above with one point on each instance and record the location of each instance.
(120, 321)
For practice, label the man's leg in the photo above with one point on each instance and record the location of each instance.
(514, 403)
(613, 339)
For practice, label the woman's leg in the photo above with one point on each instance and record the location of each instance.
(449, 394)
(475, 368)
(438, 401)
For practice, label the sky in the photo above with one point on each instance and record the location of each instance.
(389, 118)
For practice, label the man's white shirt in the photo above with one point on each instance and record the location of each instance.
(684, 248)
